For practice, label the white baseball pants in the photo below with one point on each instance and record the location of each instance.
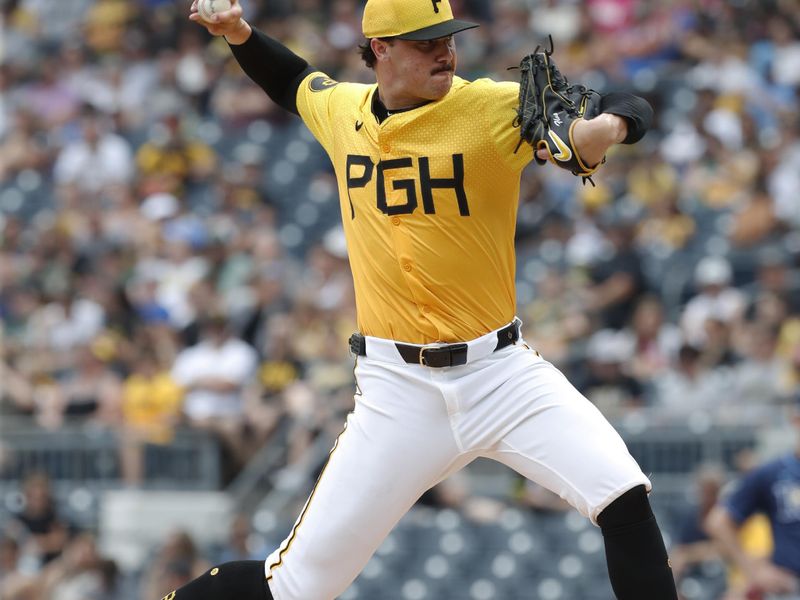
(413, 426)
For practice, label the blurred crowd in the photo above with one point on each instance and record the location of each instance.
(45, 556)
(169, 248)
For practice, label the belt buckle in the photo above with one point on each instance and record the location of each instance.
(422, 350)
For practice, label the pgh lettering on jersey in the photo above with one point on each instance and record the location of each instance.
(416, 192)
(424, 181)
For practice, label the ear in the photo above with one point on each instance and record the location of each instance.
(380, 48)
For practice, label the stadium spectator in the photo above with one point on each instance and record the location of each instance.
(666, 226)
(177, 266)
(176, 562)
(759, 379)
(654, 342)
(171, 159)
(235, 102)
(242, 543)
(67, 319)
(17, 393)
(79, 573)
(24, 145)
(783, 175)
(688, 387)
(692, 547)
(716, 297)
(772, 489)
(754, 221)
(778, 56)
(97, 159)
(90, 392)
(774, 274)
(151, 410)
(555, 316)
(214, 375)
(606, 383)
(41, 531)
(49, 97)
(270, 299)
(617, 277)
(718, 351)
(14, 581)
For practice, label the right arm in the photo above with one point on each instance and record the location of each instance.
(270, 64)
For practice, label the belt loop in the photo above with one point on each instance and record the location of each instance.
(508, 335)
(358, 344)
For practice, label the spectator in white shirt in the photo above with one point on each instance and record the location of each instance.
(717, 298)
(99, 159)
(215, 374)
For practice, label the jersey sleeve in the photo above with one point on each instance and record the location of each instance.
(500, 110)
(749, 495)
(316, 97)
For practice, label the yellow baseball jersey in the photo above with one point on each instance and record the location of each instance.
(429, 204)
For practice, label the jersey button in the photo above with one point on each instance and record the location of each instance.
(395, 220)
(407, 266)
(386, 147)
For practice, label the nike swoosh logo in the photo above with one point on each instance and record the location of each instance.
(564, 153)
(359, 125)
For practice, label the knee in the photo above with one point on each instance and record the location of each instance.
(630, 508)
(243, 580)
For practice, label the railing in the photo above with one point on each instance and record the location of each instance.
(676, 450)
(87, 457)
(90, 456)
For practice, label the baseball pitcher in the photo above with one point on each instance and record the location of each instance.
(428, 168)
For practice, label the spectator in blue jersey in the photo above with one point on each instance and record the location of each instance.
(772, 489)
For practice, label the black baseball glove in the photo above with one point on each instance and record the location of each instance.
(549, 107)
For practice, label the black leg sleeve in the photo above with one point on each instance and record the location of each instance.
(638, 565)
(239, 580)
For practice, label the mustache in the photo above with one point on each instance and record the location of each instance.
(443, 69)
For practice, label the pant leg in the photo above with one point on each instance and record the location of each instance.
(397, 443)
(559, 439)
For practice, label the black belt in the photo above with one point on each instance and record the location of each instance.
(450, 355)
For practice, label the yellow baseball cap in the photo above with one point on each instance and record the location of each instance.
(411, 19)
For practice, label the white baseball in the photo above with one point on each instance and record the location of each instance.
(208, 8)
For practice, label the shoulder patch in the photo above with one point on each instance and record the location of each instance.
(321, 83)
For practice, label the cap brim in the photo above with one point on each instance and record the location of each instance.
(437, 31)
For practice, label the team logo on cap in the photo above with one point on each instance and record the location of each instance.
(436, 6)
(321, 83)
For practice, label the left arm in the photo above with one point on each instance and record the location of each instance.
(624, 119)
(634, 111)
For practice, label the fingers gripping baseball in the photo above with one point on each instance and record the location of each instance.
(225, 22)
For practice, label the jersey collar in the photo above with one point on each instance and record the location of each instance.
(382, 113)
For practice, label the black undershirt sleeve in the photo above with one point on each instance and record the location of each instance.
(275, 68)
(634, 109)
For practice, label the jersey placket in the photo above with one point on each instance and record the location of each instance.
(402, 238)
